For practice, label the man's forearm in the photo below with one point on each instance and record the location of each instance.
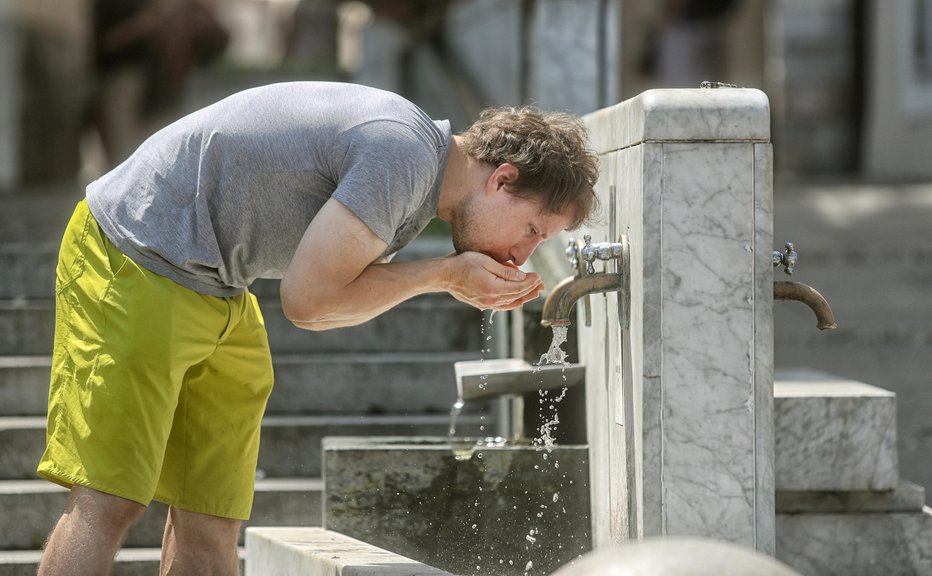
(378, 288)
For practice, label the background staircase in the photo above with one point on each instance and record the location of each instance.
(391, 376)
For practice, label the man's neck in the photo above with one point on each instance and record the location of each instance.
(461, 177)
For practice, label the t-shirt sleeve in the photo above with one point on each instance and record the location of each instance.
(384, 172)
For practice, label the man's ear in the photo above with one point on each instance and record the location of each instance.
(502, 178)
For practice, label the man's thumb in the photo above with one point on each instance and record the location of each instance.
(513, 273)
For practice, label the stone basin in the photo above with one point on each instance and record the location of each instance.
(468, 506)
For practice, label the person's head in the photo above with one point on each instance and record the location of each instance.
(550, 151)
(543, 163)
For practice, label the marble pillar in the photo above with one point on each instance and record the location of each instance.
(680, 405)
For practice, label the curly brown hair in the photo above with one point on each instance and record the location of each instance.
(549, 149)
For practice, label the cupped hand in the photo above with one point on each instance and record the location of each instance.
(484, 283)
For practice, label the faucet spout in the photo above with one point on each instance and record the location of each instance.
(825, 319)
(559, 304)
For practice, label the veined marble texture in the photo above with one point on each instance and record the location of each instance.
(707, 271)
(691, 115)
(856, 544)
(834, 434)
(691, 381)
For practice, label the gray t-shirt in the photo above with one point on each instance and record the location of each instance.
(223, 196)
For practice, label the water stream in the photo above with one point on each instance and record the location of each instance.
(464, 449)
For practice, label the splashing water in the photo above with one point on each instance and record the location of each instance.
(466, 449)
(555, 354)
(458, 406)
(455, 411)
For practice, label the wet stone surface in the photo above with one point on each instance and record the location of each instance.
(492, 510)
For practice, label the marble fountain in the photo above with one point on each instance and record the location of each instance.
(688, 432)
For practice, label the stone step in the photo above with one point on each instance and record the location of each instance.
(833, 434)
(856, 544)
(317, 551)
(31, 508)
(428, 323)
(128, 562)
(29, 267)
(290, 445)
(907, 497)
(443, 324)
(28, 270)
(382, 383)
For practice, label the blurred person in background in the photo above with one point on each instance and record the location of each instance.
(143, 53)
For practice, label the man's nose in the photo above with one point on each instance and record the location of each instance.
(521, 252)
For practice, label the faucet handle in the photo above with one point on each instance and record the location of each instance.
(787, 258)
(588, 254)
(572, 254)
(602, 251)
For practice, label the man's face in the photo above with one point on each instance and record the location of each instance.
(503, 226)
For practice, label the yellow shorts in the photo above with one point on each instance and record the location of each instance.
(157, 391)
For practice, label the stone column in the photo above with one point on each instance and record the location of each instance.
(680, 405)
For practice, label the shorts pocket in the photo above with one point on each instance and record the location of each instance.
(72, 257)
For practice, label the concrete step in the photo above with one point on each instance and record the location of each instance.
(290, 445)
(129, 562)
(27, 326)
(24, 385)
(428, 323)
(833, 434)
(31, 508)
(316, 551)
(28, 270)
(382, 383)
(29, 267)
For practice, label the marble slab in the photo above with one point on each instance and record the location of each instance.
(833, 434)
(319, 552)
(463, 506)
(856, 544)
(669, 115)
(907, 497)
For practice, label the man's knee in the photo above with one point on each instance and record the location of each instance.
(200, 529)
(102, 511)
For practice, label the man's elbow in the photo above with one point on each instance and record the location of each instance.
(304, 312)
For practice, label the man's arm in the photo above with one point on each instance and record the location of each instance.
(334, 280)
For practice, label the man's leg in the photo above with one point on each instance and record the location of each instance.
(199, 544)
(89, 533)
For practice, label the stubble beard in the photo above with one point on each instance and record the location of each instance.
(463, 228)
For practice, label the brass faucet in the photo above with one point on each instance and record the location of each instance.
(560, 302)
(825, 319)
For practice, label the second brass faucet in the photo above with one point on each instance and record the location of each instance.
(562, 299)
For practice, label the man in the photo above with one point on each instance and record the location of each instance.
(161, 367)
